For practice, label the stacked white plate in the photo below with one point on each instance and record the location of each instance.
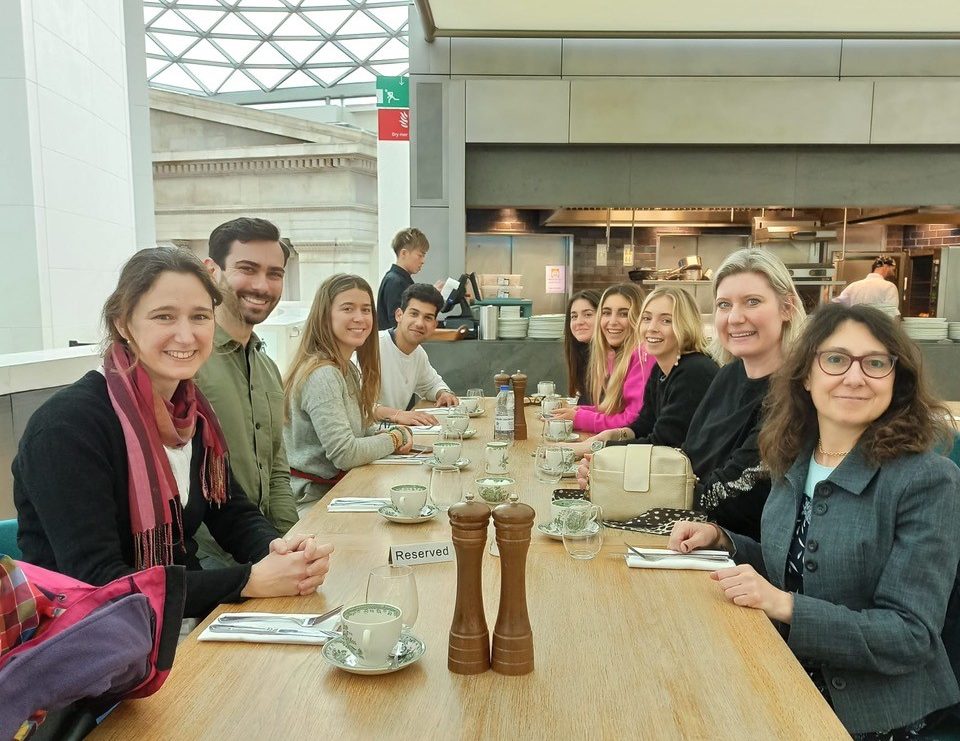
(953, 331)
(546, 327)
(930, 329)
(512, 329)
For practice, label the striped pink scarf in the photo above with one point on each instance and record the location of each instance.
(149, 423)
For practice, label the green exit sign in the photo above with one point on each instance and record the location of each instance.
(393, 92)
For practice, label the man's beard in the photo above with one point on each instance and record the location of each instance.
(248, 314)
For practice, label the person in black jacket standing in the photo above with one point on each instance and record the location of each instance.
(115, 473)
(410, 246)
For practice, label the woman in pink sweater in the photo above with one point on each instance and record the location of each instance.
(619, 364)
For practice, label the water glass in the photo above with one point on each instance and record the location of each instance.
(397, 586)
(445, 486)
(582, 531)
(549, 463)
(456, 422)
(549, 404)
(479, 394)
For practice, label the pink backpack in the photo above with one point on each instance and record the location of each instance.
(93, 646)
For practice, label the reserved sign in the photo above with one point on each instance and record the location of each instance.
(412, 553)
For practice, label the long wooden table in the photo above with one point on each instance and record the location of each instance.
(619, 652)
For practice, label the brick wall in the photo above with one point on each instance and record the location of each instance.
(586, 272)
(930, 235)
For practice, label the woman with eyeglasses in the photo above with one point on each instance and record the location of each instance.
(859, 546)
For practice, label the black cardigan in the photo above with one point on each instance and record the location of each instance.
(669, 402)
(70, 490)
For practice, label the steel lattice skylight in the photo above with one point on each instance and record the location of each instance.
(262, 50)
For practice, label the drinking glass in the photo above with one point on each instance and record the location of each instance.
(479, 394)
(549, 463)
(582, 531)
(445, 486)
(397, 586)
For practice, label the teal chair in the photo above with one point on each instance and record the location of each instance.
(8, 538)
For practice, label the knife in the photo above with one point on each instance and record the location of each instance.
(258, 630)
(693, 554)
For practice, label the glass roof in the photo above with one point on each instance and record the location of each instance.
(255, 51)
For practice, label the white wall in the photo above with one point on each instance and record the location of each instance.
(65, 170)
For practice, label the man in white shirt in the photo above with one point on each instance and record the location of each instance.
(875, 289)
(405, 369)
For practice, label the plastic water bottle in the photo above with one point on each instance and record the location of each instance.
(503, 417)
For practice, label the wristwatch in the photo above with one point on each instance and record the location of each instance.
(597, 445)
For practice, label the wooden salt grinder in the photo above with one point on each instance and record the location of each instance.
(519, 416)
(512, 636)
(500, 379)
(468, 650)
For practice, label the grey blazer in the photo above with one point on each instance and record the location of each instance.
(880, 563)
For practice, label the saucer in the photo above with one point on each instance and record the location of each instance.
(390, 512)
(462, 463)
(573, 437)
(336, 653)
(551, 530)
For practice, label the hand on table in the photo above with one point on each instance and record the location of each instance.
(583, 470)
(691, 536)
(407, 442)
(294, 572)
(447, 399)
(743, 586)
(415, 417)
(565, 413)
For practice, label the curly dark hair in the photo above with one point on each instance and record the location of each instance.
(914, 422)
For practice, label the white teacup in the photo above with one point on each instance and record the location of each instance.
(560, 457)
(470, 403)
(447, 452)
(546, 388)
(455, 423)
(563, 508)
(497, 456)
(494, 489)
(557, 429)
(370, 631)
(409, 499)
(550, 404)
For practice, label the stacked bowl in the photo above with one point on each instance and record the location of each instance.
(953, 331)
(925, 329)
(546, 327)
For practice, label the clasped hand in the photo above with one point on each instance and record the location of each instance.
(295, 565)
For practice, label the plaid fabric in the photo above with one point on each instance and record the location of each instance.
(19, 614)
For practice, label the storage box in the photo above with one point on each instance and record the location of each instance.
(508, 291)
(499, 279)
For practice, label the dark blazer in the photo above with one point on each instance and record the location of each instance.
(881, 558)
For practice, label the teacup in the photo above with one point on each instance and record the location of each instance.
(494, 489)
(557, 429)
(447, 452)
(546, 388)
(565, 509)
(558, 457)
(550, 404)
(370, 631)
(470, 403)
(497, 457)
(408, 499)
(455, 423)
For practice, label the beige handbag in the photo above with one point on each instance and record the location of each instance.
(627, 480)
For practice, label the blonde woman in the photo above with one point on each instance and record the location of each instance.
(619, 364)
(671, 328)
(330, 426)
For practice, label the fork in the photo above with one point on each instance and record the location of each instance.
(258, 630)
(307, 622)
(661, 556)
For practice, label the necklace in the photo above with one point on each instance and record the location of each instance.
(830, 453)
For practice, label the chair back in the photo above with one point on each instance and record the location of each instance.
(8, 539)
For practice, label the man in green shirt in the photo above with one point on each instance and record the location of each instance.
(247, 261)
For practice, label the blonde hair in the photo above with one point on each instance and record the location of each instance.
(319, 347)
(607, 390)
(765, 263)
(686, 318)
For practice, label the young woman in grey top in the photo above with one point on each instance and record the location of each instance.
(329, 426)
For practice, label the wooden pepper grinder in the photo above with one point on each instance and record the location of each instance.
(512, 636)
(468, 651)
(500, 379)
(519, 414)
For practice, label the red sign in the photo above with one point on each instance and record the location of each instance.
(393, 124)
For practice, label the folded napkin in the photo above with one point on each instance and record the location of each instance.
(426, 429)
(665, 559)
(331, 623)
(404, 459)
(357, 504)
(434, 410)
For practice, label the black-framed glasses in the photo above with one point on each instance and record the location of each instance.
(875, 365)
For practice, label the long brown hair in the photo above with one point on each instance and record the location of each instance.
(607, 390)
(573, 349)
(138, 276)
(319, 347)
(913, 423)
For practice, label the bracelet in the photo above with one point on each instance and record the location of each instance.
(397, 438)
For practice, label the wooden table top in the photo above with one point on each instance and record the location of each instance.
(618, 651)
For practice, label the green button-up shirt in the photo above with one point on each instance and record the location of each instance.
(243, 385)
